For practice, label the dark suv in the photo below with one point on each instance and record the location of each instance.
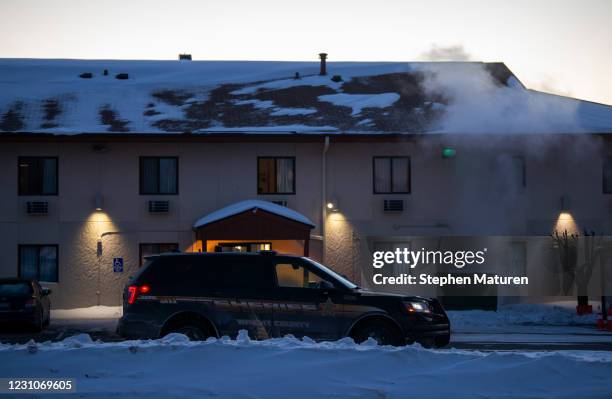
(270, 295)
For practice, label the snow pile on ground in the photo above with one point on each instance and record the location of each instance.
(241, 368)
(93, 312)
(553, 314)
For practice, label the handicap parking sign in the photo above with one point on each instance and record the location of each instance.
(118, 265)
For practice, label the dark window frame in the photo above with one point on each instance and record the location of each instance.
(21, 159)
(140, 259)
(141, 170)
(38, 246)
(604, 187)
(523, 159)
(275, 158)
(391, 158)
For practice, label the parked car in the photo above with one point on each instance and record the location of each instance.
(269, 295)
(24, 302)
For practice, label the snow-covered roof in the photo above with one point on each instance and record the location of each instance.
(50, 96)
(252, 205)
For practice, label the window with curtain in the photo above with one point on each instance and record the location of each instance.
(38, 262)
(37, 175)
(158, 175)
(276, 175)
(155, 249)
(607, 176)
(391, 175)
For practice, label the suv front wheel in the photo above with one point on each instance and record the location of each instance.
(382, 332)
(193, 332)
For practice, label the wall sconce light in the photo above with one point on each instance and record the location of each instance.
(332, 205)
(565, 204)
(99, 201)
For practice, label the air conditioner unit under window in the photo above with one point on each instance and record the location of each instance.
(393, 205)
(37, 207)
(159, 206)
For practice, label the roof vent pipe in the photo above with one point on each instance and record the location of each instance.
(323, 57)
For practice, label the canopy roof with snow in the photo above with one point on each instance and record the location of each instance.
(252, 205)
(50, 96)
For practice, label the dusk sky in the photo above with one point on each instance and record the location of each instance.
(560, 46)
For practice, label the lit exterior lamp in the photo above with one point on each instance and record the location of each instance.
(99, 202)
(565, 221)
(332, 205)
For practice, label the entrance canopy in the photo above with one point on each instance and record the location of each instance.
(255, 221)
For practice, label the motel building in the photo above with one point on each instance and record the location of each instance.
(103, 163)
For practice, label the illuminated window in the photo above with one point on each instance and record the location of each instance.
(37, 175)
(607, 176)
(38, 262)
(158, 175)
(156, 249)
(391, 175)
(243, 246)
(276, 175)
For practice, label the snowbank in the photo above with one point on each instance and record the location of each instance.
(175, 367)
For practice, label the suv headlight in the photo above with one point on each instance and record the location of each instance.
(416, 307)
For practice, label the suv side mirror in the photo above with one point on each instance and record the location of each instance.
(326, 285)
(46, 291)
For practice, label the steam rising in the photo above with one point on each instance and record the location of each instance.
(448, 53)
(478, 104)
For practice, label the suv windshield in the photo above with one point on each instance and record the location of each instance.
(15, 289)
(343, 280)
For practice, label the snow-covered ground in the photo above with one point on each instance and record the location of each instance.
(277, 368)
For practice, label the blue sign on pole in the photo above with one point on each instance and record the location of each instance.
(118, 265)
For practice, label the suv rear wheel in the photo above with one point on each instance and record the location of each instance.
(194, 327)
(382, 332)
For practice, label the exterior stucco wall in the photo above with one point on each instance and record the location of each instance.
(464, 195)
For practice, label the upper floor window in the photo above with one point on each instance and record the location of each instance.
(276, 175)
(513, 172)
(391, 175)
(38, 262)
(158, 175)
(37, 175)
(607, 176)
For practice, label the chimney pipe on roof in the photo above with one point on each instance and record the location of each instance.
(323, 70)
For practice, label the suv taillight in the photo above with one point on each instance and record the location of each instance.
(135, 290)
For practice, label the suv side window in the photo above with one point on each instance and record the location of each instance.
(295, 275)
(245, 273)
